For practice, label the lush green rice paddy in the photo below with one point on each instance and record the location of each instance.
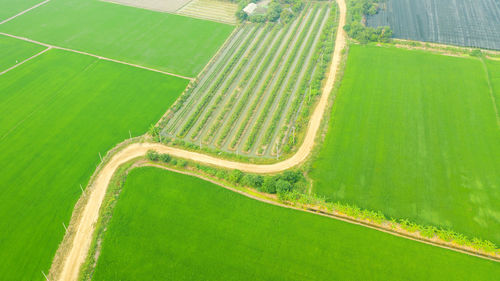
(168, 42)
(415, 136)
(168, 226)
(59, 111)
(15, 51)
(13, 7)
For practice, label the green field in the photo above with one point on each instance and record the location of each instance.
(168, 226)
(414, 135)
(14, 51)
(59, 111)
(494, 74)
(13, 7)
(167, 42)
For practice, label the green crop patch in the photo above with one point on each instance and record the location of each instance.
(14, 51)
(59, 111)
(167, 42)
(494, 76)
(10, 8)
(169, 226)
(415, 135)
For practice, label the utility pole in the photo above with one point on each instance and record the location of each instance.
(65, 228)
(46, 278)
(100, 156)
(81, 187)
(129, 134)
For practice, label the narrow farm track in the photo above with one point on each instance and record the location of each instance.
(85, 226)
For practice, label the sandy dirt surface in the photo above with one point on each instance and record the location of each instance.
(85, 229)
(156, 5)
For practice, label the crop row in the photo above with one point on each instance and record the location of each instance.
(265, 111)
(250, 89)
(213, 90)
(207, 79)
(228, 106)
(228, 84)
(263, 88)
(313, 79)
(290, 87)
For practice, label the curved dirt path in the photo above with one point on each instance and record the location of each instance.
(85, 229)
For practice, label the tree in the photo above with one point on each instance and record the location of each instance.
(282, 186)
(269, 185)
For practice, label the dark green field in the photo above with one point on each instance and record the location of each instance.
(59, 111)
(15, 51)
(168, 226)
(415, 136)
(168, 42)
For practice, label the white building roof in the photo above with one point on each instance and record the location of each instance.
(250, 8)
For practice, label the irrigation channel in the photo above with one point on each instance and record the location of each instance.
(74, 249)
(246, 100)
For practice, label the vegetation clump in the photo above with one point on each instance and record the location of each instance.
(277, 10)
(357, 12)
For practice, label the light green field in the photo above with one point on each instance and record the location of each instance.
(59, 111)
(11, 8)
(414, 135)
(15, 51)
(168, 226)
(168, 42)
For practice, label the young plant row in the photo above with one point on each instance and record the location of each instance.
(213, 90)
(292, 82)
(315, 72)
(199, 87)
(274, 92)
(242, 85)
(269, 56)
(229, 82)
(258, 97)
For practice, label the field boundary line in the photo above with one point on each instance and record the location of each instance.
(492, 94)
(25, 11)
(96, 56)
(28, 59)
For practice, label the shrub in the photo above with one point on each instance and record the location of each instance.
(221, 174)
(165, 158)
(282, 186)
(182, 163)
(152, 155)
(252, 180)
(269, 185)
(235, 176)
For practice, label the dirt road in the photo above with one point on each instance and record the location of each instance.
(83, 236)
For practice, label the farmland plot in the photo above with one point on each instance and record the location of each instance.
(470, 23)
(223, 11)
(418, 139)
(59, 112)
(251, 92)
(169, 226)
(15, 51)
(162, 41)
